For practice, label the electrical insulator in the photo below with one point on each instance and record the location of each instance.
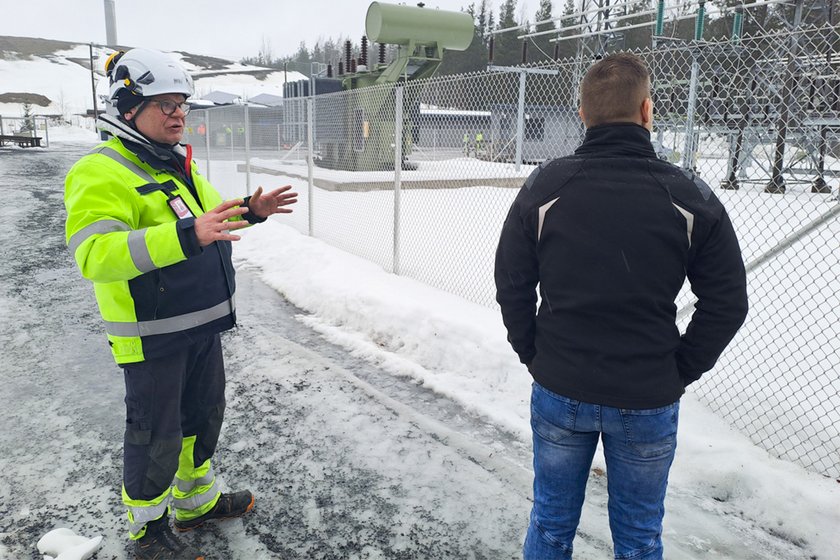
(363, 60)
(347, 48)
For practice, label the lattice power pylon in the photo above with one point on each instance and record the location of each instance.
(787, 93)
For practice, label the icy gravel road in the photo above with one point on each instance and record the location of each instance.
(341, 468)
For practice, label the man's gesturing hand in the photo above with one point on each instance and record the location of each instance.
(264, 205)
(212, 226)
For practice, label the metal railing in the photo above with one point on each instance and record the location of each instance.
(34, 126)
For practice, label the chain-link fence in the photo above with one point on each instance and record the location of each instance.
(418, 178)
(759, 119)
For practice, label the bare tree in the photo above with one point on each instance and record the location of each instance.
(265, 57)
(62, 105)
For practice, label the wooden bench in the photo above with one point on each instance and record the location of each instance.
(22, 141)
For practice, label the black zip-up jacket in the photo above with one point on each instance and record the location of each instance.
(610, 234)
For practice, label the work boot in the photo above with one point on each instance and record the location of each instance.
(159, 543)
(229, 505)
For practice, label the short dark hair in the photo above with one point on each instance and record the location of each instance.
(126, 101)
(614, 88)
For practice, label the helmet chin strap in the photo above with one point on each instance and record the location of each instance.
(131, 122)
(140, 108)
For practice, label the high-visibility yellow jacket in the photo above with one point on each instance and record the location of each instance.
(156, 288)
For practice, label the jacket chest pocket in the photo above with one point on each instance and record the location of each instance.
(164, 202)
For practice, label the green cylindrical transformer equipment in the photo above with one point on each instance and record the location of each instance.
(366, 139)
(403, 25)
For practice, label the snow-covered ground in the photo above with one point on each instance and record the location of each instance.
(458, 348)
(727, 499)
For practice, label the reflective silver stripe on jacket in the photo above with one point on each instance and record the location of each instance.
(186, 485)
(96, 228)
(195, 502)
(136, 241)
(140, 515)
(172, 324)
(125, 162)
(139, 251)
(689, 221)
(543, 209)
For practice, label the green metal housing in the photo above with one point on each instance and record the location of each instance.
(422, 34)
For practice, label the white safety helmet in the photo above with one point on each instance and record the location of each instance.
(142, 73)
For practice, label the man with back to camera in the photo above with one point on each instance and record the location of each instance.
(609, 234)
(154, 237)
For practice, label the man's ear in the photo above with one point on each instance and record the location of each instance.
(646, 112)
(581, 115)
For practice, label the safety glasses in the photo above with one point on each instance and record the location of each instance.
(168, 108)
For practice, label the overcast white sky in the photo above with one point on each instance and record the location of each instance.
(230, 29)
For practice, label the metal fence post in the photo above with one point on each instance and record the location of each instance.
(520, 120)
(398, 157)
(310, 163)
(520, 111)
(247, 152)
(690, 146)
(207, 139)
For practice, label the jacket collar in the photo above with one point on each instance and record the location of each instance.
(138, 143)
(617, 139)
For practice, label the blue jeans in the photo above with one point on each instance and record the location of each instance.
(639, 447)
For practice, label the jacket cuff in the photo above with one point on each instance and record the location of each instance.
(527, 358)
(187, 237)
(249, 216)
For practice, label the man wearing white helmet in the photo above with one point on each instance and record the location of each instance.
(155, 238)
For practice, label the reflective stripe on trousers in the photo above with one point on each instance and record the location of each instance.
(138, 516)
(183, 499)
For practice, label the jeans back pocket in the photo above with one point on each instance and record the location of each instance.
(552, 415)
(652, 432)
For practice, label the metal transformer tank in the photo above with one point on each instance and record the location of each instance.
(355, 129)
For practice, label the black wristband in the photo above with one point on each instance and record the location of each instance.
(249, 216)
